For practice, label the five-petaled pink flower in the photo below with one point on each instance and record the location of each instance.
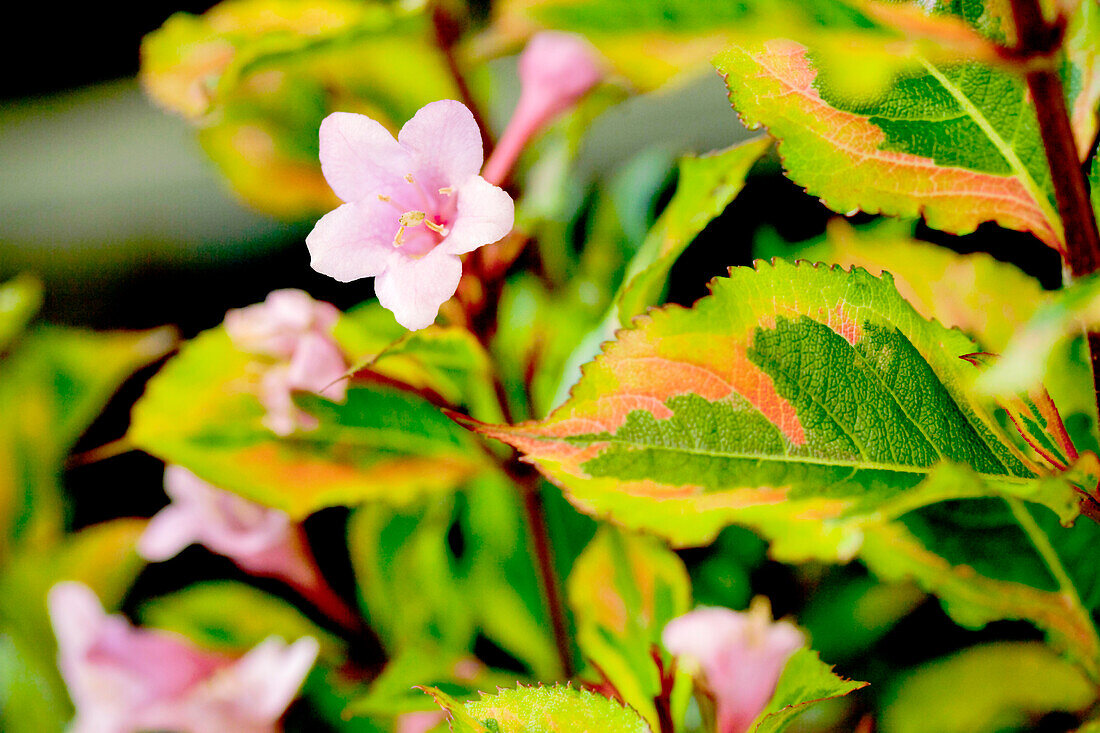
(259, 539)
(413, 205)
(123, 679)
(739, 656)
(292, 332)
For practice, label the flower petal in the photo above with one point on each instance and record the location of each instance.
(353, 241)
(360, 157)
(168, 532)
(414, 288)
(77, 617)
(485, 214)
(264, 681)
(317, 366)
(446, 141)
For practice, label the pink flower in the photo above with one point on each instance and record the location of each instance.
(738, 654)
(414, 205)
(123, 679)
(419, 722)
(294, 330)
(555, 71)
(259, 539)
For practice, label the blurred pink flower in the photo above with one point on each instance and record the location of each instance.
(738, 654)
(123, 679)
(259, 539)
(420, 722)
(293, 329)
(412, 206)
(555, 71)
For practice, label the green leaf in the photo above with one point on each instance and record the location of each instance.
(202, 412)
(804, 402)
(654, 41)
(231, 618)
(20, 299)
(986, 298)
(51, 388)
(258, 76)
(956, 142)
(706, 186)
(102, 556)
(540, 710)
(993, 559)
(993, 687)
(805, 680)
(623, 590)
(406, 577)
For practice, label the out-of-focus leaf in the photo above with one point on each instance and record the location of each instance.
(848, 615)
(232, 618)
(707, 184)
(805, 680)
(535, 709)
(394, 691)
(101, 556)
(986, 298)
(954, 140)
(51, 388)
(258, 76)
(768, 404)
(992, 559)
(654, 41)
(623, 589)
(1027, 362)
(20, 299)
(202, 412)
(993, 687)
(405, 572)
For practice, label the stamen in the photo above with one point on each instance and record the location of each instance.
(411, 218)
(409, 178)
(383, 198)
(437, 228)
(447, 191)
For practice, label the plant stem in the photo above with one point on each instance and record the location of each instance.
(535, 511)
(1038, 40)
(447, 33)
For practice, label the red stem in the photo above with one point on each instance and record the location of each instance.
(447, 33)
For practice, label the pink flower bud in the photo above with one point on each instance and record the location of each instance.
(125, 679)
(738, 655)
(555, 71)
(420, 722)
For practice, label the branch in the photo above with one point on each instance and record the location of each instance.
(447, 33)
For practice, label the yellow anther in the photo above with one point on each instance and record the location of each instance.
(383, 198)
(411, 218)
(437, 228)
(409, 178)
(446, 191)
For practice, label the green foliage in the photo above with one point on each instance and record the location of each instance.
(202, 412)
(992, 687)
(789, 392)
(623, 589)
(558, 709)
(20, 299)
(805, 681)
(258, 76)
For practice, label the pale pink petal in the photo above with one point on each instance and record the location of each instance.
(77, 617)
(353, 241)
(419, 722)
(486, 213)
(318, 366)
(413, 289)
(263, 682)
(444, 138)
(739, 654)
(359, 157)
(273, 327)
(168, 532)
